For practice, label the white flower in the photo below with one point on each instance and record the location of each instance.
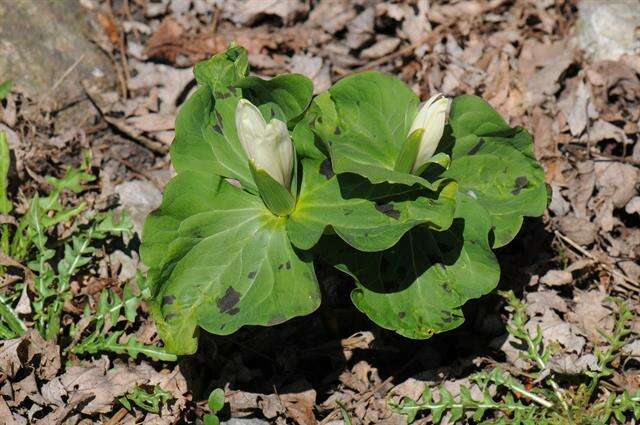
(431, 118)
(268, 146)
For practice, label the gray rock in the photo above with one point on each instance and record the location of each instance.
(138, 198)
(606, 29)
(40, 42)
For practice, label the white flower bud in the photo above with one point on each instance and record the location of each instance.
(431, 118)
(268, 146)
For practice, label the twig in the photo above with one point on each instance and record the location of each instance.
(138, 171)
(121, 126)
(602, 155)
(360, 402)
(627, 282)
(119, 416)
(372, 391)
(391, 56)
(215, 20)
(123, 51)
(66, 74)
(405, 50)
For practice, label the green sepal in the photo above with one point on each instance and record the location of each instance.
(275, 196)
(441, 159)
(409, 152)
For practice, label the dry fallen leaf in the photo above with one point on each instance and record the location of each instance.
(554, 329)
(99, 382)
(314, 68)
(592, 312)
(573, 104)
(571, 364)
(17, 353)
(539, 302)
(579, 230)
(556, 278)
(616, 181)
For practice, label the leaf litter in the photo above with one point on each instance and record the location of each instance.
(524, 58)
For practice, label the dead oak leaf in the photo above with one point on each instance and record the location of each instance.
(539, 302)
(573, 105)
(592, 312)
(554, 329)
(95, 380)
(30, 349)
(616, 181)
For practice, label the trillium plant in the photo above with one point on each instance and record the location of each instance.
(273, 183)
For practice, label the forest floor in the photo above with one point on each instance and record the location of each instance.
(530, 59)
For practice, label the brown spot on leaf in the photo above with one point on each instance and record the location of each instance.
(276, 320)
(233, 311)
(402, 314)
(388, 209)
(520, 183)
(218, 117)
(168, 299)
(326, 169)
(228, 300)
(252, 274)
(474, 150)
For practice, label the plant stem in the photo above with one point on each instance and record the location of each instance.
(533, 349)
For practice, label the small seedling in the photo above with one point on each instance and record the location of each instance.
(52, 270)
(547, 402)
(215, 403)
(149, 402)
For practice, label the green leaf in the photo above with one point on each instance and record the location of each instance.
(374, 115)
(5, 162)
(471, 115)
(210, 419)
(223, 70)
(230, 266)
(417, 287)
(367, 217)
(289, 94)
(5, 89)
(186, 195)
(495, 166)
(216, 400)
(11, 318)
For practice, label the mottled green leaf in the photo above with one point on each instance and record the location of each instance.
(367, 217)
(186, 195)
(374, 113)
(235, 266)
(288, 94)
(223, 70)
(417, 287)
(495, 166)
